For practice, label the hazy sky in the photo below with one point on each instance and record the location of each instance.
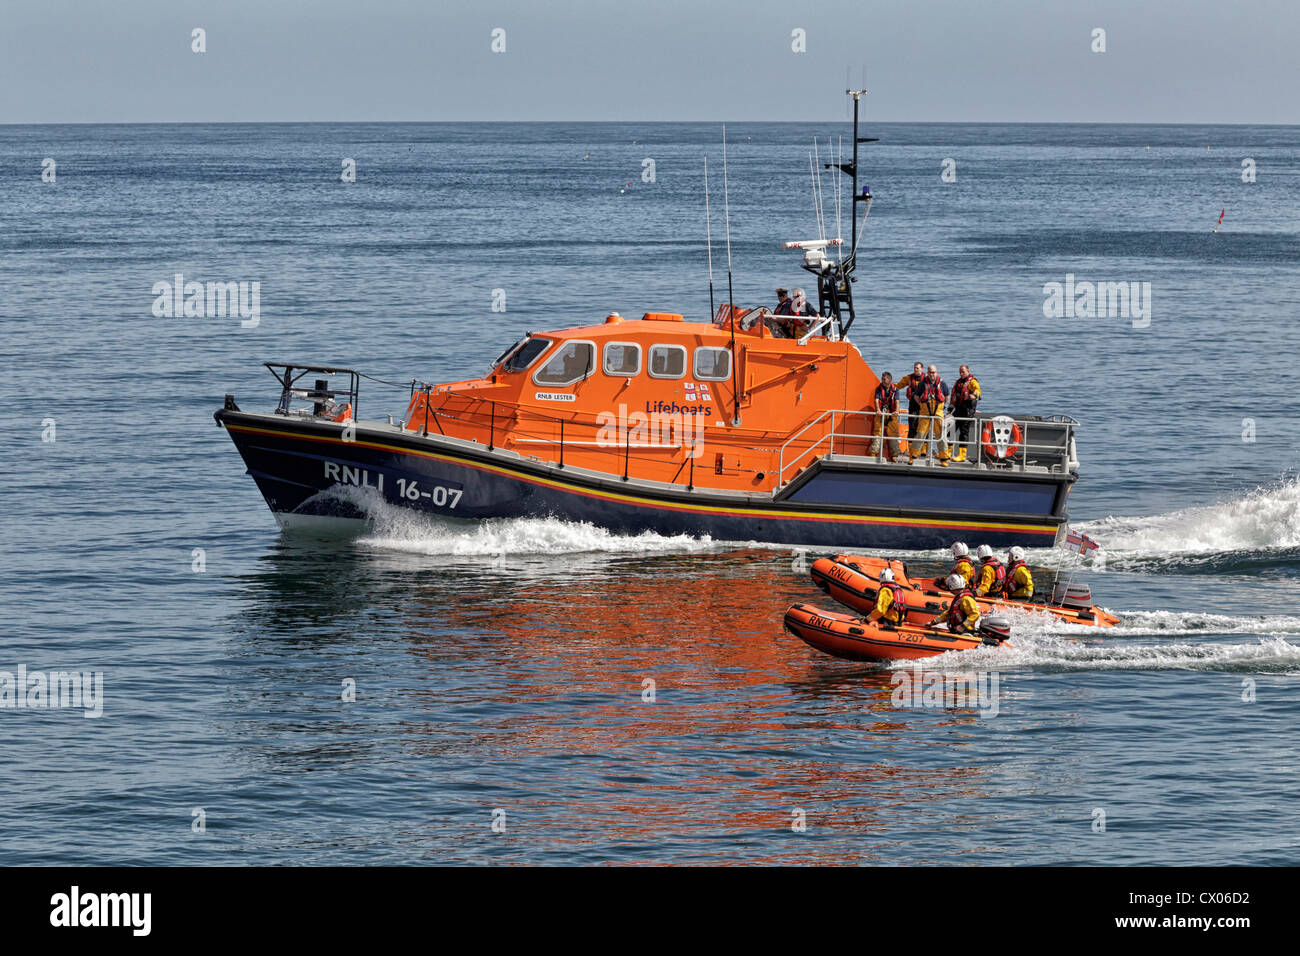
(1170, 61)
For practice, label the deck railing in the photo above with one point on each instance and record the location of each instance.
(1043, 443)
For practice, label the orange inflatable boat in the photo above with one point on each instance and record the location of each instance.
(853, 580)
(853, 639)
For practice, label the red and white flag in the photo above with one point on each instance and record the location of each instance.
(1080, 543)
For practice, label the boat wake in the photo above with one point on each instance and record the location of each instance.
(1255, 533)
(392, 528)
(1273, 654)
(498, 537)
(1153, 624)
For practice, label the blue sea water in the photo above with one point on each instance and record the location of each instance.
(500, 671)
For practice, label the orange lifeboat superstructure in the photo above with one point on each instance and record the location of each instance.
(656, 399)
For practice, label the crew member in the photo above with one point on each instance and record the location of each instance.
(778, 321)
(963, 566)
(932, 393)
(886, 418)
(799, 309)
(912, 382)
(963, 614)
(962, 404)
(890, 606)
(1019, 583)
(992, 574)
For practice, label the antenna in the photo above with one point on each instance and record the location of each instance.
(731, 303)
(839, 204)
(708, 236)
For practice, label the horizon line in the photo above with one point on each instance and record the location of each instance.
(626, 122)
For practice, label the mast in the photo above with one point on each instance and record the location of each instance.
(731, 302)
(835, 278)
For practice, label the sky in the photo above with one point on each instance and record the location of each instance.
(1166, 61)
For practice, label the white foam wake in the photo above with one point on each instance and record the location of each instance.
(1266, 518)
(507, 536)
(1152, 624)
(1274, 654)
(394, 528)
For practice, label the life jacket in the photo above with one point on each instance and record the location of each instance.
(955, 617)
(914, 388)
(1008, 585)
(999, 576)
(965, 569)
(928, 391)
(961, 390)
(785, 308)
(897, 609)
(886, 398)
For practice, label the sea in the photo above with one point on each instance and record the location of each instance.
(545, 692)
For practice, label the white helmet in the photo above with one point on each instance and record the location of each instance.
(984, 552)
(1016, 554)
(886, 575)
(959, 550)
(956, 582)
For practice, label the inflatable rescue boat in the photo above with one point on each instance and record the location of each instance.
(854, 639)
(853, 581)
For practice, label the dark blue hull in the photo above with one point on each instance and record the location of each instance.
(303, 467)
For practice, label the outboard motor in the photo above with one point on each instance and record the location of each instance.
(995, 629)
(1072, 594)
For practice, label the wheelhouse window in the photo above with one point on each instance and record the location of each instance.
(712, 364)
(572, 363)
(667, 361)
(622, 358)
(524, 355)
(508, 352)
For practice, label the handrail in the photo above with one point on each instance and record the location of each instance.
(319, 396)
(1028, 454)
(828, 432)
(521, 424)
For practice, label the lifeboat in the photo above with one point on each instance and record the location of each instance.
(745, 426)
(854, 639)
(853, 581)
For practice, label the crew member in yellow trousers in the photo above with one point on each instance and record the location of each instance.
(912, 383)
(931, 395)
(962, 403)
(886, 418)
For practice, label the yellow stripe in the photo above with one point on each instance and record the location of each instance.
(651, 502)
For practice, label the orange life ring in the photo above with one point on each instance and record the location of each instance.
(986, 439)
